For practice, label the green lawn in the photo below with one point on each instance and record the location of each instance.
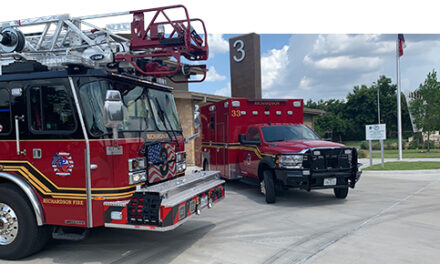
(409, 153)
(402, 165)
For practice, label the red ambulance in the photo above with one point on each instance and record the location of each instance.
(265, 141)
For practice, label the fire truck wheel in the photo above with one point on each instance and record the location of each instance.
(268, 186)
(19, 234)
(341, 193)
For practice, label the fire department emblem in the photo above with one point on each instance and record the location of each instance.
(62, 164)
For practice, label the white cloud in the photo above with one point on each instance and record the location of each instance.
(345, 63)
(225, 91)
(217, 44)
(272, 66)
(305, 83)
(336, 44)
(213, 76)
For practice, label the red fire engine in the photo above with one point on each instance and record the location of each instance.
(265, 141)
(89, 134)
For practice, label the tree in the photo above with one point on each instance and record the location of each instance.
(425, 108)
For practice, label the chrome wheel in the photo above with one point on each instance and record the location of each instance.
(8, 225)
(263, 187)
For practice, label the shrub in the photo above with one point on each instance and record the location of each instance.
(364, 145)
(431, 144)
(363, 154)
(414, 144)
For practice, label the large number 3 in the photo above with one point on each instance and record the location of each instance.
(240, 50)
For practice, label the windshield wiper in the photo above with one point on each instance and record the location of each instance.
(164, 117)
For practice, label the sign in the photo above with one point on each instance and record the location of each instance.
(375, 132)
(245, 66)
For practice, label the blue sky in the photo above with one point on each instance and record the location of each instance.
(324, 66)
(295, 64)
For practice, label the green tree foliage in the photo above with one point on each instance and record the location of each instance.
(347, 119)
(426, 107)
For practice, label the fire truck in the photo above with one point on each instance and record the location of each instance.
(264, 141)
(89, 131)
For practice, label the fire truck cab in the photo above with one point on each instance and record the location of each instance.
(265, 142)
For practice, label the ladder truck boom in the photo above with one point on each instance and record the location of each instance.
(66, 40)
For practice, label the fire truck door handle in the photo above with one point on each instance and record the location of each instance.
(17, 134)
(93, 166)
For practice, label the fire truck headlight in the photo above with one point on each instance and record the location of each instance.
(180, 156)
(290, 161)
(181, 161)
(137, 177)
(136, 164)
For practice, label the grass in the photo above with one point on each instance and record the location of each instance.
(408, 153)
(402, 165)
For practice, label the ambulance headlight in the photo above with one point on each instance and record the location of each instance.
(136, 164)
(290, 161)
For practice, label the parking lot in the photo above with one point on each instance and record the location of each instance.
(389, 218)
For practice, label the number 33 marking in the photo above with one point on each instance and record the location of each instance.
(240, 50)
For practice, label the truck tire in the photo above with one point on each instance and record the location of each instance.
(19, 234)
(268, 186)
(341, 193)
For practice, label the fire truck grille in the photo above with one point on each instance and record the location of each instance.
(143, 208)
(330, 159)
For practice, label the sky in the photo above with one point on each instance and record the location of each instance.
(325, 66)
(309, 49)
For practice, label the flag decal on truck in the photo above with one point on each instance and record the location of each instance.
(62, 164)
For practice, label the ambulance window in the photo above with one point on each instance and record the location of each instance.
(5, 112)
(253, 134)
(211, 123)
(51, 109)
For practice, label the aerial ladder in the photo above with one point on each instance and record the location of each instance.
(156, 48)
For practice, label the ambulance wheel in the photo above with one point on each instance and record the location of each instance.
(341, 193)
(20, 236)
(268, 186)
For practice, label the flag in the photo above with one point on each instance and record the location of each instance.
(402, 45)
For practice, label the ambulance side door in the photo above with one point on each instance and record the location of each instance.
(250, 157)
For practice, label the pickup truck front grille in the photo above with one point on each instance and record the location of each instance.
(330, 159)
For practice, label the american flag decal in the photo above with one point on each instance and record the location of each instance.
(163, 159)
(62, 164)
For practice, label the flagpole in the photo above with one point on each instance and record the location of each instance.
(399, 112)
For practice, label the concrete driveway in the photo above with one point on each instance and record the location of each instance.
(391, 217)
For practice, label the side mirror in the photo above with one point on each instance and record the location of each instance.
(197, 121)
(113, 111)
(242, 138)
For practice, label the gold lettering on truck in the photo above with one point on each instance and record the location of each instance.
(63, 201)
(157, 136)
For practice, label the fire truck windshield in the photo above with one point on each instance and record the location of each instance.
(283, 133)
(164, 109)
(138, 115)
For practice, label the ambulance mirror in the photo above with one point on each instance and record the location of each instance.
(242, 138)
(113, 113)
